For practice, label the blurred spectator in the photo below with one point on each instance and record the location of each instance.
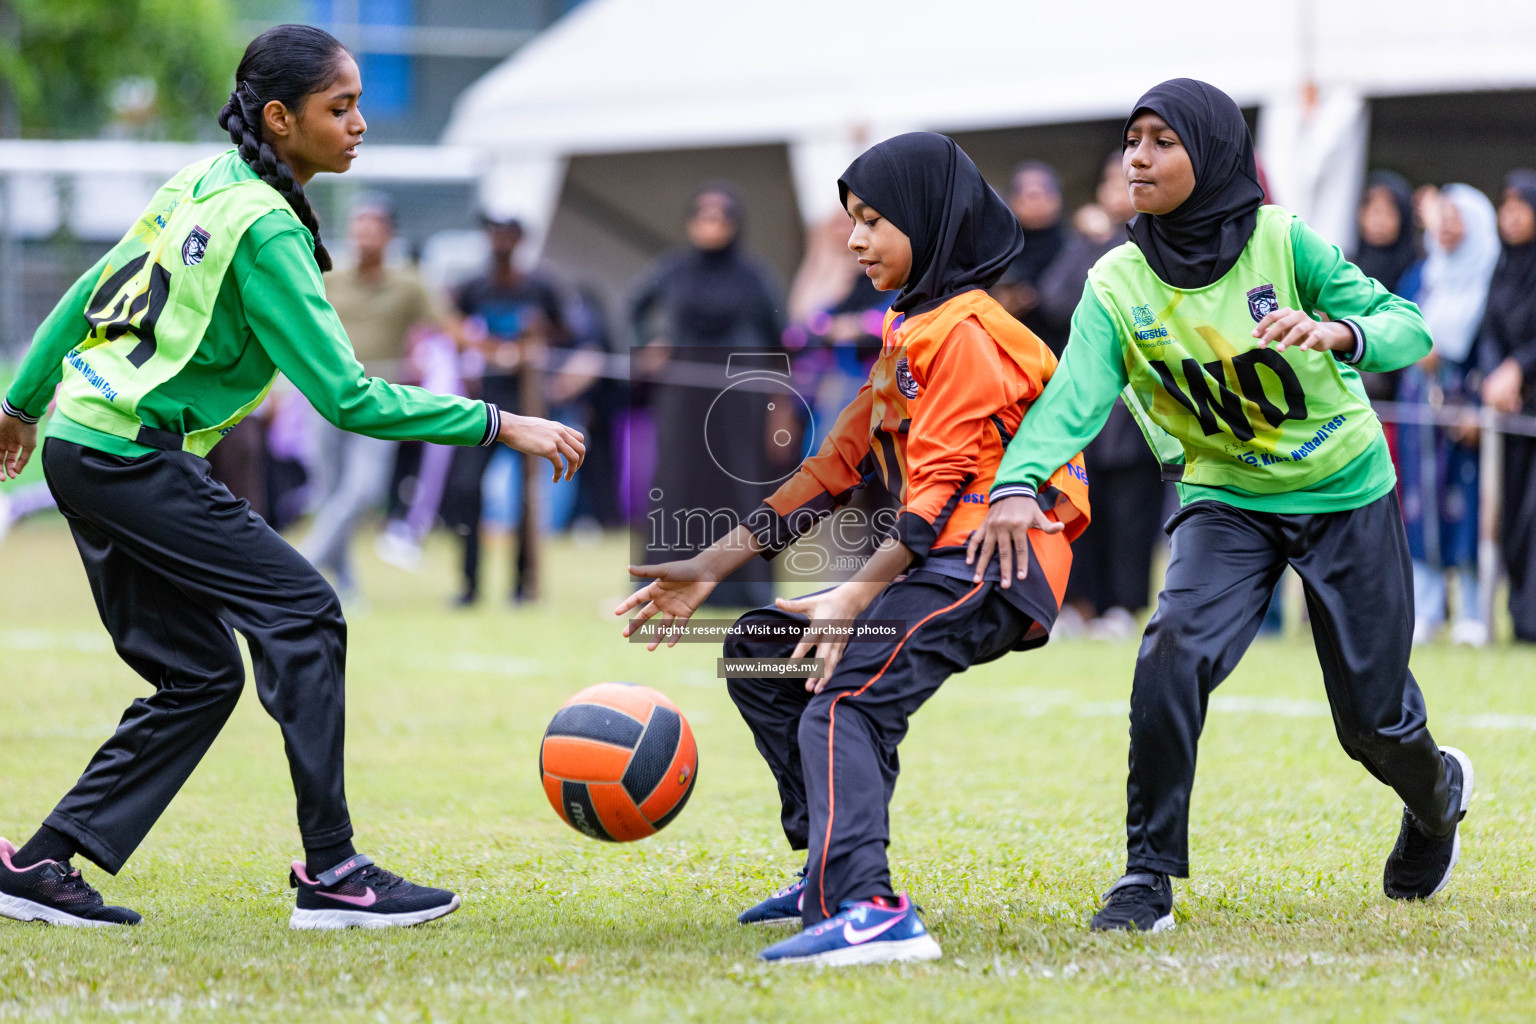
(1098, 227)
(1112, 561)
(1388, 251)
(572, 362)
(1439, 466)
(239, 462)
(598, 406)
(1509, 341)
(435, 360)
(1034, 193)
(290, 453)
(513, 315)
(378, 305)
(712, 300)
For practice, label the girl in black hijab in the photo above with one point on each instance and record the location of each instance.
(1197, 243)
(1034, 195)
(1385, 252)
(1288, 467)
(953, 380)
(1509, 351)
(1388, 252)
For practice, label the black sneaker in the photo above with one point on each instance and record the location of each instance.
(1141, 901)
(1420, 865)
(53, 892)
(358, 894)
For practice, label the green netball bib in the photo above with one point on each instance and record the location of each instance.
(148, 313)
(1218, 410)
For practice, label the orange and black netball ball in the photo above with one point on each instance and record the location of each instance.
(618, 762)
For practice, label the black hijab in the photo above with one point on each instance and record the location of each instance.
(1510, 322)
(1201, 240)
(1388, 263)
(963, 234)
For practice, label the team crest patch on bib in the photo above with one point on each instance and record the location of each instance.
(1262, 301)
(904, 380)
(195, 247)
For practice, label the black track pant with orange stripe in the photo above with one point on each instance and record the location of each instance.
(833, 754)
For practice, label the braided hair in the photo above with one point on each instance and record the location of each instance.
(286, 64)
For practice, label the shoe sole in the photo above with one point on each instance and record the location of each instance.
(1466, 799)
(336, 920)
(771, 922)
(920, 947)
(1165, 923)
(18, 909)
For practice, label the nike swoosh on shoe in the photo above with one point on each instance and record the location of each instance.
(855, 936)
(358, 901)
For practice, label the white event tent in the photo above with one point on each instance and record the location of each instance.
(598, 129)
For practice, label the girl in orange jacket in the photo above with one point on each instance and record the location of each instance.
(953, 381)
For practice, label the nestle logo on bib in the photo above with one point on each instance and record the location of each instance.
(195, 247)
(1262, 301)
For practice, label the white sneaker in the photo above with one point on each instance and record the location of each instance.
(1115, 624)
(1069, 623)
(398, 551)
(1470, 632)
(1424, 631)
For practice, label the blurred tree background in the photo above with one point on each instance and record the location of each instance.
(149, 69)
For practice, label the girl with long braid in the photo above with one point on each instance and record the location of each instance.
(157, 352)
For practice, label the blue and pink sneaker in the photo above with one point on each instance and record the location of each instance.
(358, 894)
(783, 907)
(866, 932)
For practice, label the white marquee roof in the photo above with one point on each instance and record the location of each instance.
(620, 75)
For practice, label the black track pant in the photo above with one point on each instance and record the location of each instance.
(834, 754)
(176, 562)
(1223, 566)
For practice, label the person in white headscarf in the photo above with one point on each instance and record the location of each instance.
(1438, 466)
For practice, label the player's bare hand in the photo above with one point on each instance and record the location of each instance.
(1005, 532)
(675, 592)
(17, 442)
(831, 613)
(563, 446)
(1284, 327)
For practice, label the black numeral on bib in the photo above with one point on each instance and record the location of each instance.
(113, 312)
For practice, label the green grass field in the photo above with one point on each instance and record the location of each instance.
(1007, 825)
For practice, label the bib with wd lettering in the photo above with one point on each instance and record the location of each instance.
(1217, 409)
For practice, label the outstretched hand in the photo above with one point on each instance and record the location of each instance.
(1006, 531)
(17, 442)
(675, 592)
(547, 439)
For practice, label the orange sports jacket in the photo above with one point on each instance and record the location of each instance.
(942, 402)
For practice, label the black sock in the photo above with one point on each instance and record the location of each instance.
(47, 844)
(323, 858)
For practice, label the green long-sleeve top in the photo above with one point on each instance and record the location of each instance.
(1390, 334)
(271, 315)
